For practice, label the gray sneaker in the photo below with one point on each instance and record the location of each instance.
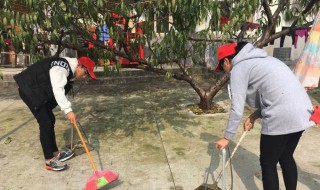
(55, 165)
(65, 155)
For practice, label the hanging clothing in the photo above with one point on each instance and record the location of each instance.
(252, 25)
(300, 33)
(308, 66)
(282, 38)
(104, 33)
(223, 20)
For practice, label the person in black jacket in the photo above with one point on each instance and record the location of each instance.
(42, 87)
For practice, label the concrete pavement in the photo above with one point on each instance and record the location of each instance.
(145, 133)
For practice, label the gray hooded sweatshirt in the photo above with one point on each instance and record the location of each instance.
(268, 85)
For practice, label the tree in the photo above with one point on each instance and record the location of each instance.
(67, 23)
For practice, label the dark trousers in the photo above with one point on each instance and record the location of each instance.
(46, 121)
(274, 149)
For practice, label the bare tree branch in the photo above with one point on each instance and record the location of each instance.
(59, 50)
(280, 8)
(266, 37)
(267, 10)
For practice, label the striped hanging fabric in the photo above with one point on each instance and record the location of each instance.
(308, 66)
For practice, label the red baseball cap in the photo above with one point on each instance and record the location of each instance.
(89, 64)
(223, 52)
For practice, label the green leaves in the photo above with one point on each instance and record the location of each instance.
(168, 75)
(184, 37)
(100, 3)
(63, 6)
(5, 21)
(35, 17)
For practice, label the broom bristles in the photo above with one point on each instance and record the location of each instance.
(101, 182)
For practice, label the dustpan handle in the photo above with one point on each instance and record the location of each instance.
(86, 148)
(234, 151)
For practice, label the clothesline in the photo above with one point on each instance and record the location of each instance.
(295, 35)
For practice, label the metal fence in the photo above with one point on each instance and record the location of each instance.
(11, 59)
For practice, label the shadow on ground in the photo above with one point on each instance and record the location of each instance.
(145, 133)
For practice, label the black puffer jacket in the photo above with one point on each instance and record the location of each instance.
(35, 82)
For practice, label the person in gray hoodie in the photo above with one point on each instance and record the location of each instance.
(268, 85)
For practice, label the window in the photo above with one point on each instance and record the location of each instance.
(163, 22)
(160, 21)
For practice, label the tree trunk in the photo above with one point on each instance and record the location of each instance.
(206, 97)
(206, 103)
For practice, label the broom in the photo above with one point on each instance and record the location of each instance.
(100, 178)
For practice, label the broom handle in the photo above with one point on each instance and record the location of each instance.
(72, 138)
(86, 148)
(234, 151)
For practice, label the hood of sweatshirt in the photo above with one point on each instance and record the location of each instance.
(73, 62)
(248, 52)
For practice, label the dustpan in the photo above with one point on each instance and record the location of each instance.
(76, 146)
(214, 186)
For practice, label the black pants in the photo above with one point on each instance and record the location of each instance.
(46, 121)
(274, 149)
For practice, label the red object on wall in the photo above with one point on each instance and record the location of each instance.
(94, 36)
(140, 32)
(223, 20)
(121, 22)
(129, 37)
